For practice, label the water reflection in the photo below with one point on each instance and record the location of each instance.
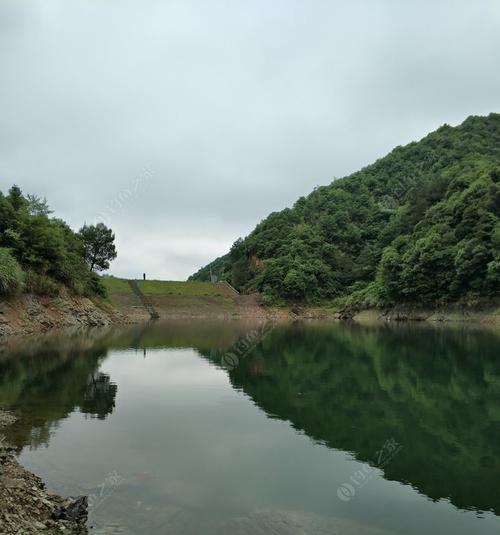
(48, 379)
(435, 391)
(45, 379)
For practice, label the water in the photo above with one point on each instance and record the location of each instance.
(210, 428)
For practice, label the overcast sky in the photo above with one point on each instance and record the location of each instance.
(183, 123)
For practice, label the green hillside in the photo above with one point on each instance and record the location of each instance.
(419, 226)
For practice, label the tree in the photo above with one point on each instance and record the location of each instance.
(389, 273)
(16, 198)
(295, 284)
(99, 246)
(37, 205)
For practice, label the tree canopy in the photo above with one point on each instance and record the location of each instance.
(99, 246)
(40, 253)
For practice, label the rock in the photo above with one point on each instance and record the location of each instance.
(26, 507)
(30, 314)
(76, 511)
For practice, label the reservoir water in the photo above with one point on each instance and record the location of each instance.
(194, 428)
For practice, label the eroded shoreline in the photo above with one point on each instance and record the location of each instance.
(25, 505)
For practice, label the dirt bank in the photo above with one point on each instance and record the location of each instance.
(31, 314)
(489, 316)
(485, 316)
(25, 506)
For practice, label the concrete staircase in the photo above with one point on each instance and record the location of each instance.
(145, 302)
(227, 285)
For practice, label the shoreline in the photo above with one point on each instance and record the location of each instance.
(29, 315)
(25, 505)
(488, 316)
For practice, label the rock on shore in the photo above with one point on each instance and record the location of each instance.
(26, 507)
(31, 314)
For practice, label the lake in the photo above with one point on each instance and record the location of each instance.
(208, 428)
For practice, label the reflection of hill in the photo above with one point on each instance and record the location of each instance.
(435, 391)
(50, 379)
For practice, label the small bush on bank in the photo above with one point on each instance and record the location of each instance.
(11, 274)
(95, 286)
(41, 285)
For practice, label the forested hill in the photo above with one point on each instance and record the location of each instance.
(418, 226)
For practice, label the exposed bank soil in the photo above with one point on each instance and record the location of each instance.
(26, 507)
(485, 316)
(30, 314)
(245, 307)
(224, 307)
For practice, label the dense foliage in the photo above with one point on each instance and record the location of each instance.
(40, 253)
(419, 226)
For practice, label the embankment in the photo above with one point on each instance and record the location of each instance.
(184, 300)
(31, 314)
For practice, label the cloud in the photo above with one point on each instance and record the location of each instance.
(234, 108)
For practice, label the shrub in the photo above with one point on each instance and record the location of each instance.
(11, 274)
(95, 286)
(41, 284)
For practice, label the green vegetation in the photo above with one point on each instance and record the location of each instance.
(156, 287)
(40, 253)
(420, 226)
(11, 275)
(115, 285)
(99, 246)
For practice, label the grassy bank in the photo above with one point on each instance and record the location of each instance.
(173, 298)
(115, 286)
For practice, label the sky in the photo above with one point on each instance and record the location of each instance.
(182, 123)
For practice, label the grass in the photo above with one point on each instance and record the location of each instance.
(116, 286)
(181, 288)
(157, 287)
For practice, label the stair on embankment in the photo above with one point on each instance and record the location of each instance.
(229, 287)
(145, 302)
